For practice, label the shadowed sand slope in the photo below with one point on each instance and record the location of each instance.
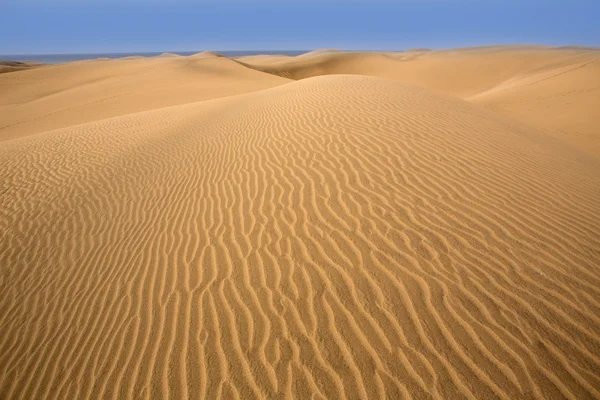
(340, 236)
(553, 89)
(65, 95)
(14, 66)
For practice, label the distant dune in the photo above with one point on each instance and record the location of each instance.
(556, 90)
(348, 225)
(64, 95)
(167, 55)
(320, 52)
(206, 54)
(263, 59)
(14, 66)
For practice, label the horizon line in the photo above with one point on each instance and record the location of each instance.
(306, 50)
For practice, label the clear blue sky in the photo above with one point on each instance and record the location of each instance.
(88, 26)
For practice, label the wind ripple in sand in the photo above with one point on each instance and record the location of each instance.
(342, 237)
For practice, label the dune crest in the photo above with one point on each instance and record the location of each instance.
(337, 237)
(14, 66)
(320, 52)
(59, 96)
(206, 54)
(168, 55)
(556, 90)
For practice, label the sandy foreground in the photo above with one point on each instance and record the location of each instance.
(333, 225)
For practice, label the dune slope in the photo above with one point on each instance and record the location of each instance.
(556, 90)
(339, 236)
(64, 95)
(14, 66)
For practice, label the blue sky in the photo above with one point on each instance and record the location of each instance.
(80, 26)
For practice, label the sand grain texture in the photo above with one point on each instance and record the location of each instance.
(338, 236)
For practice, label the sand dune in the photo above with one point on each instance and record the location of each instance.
(65, 95)
(553, 89)
(206, 54)
(131, 58)
(14, 66)
(320, 52)
(168, 55)
(262, 59)
(338, 236)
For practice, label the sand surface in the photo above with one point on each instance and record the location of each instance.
(14, 66)
(201, 227)
(556, 90)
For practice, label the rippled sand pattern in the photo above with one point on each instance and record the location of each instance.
(336, 237)
(555, 90)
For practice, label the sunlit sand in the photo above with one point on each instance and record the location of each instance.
(333, 225)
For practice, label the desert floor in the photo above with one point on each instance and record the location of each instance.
(422, 224)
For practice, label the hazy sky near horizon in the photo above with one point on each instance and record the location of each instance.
(80, 26)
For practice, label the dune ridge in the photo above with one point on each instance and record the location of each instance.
(207, 54)
(14, 66)
(552, 89)
(59, 96)
(338, 236)
(556, 90)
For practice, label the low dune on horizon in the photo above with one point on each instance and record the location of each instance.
(352, 225)
(14, 66)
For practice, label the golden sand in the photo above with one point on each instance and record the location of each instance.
(202, 227)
